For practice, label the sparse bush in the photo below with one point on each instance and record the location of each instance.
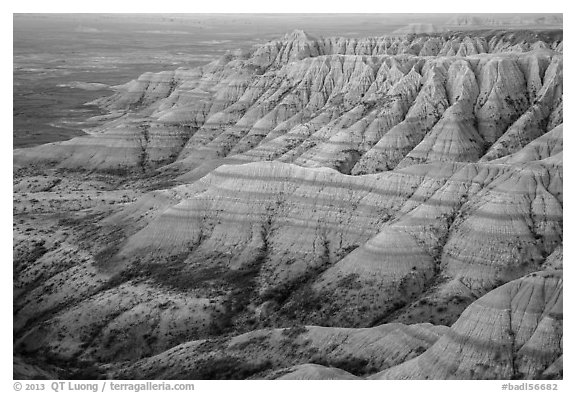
(352, 364)
(229, 367)
(88, 373)
(350, 282)
(254, 341)
(294, 332)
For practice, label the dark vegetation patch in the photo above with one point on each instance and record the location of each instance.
(72, 369)
(79, 220)
(352, 364)
(303, 305)
(26, 256)
(419, 350)
(396, 307)
(511, 36)
(346, 250)
(298, 302)
(237, 290)
(294, 332)
(242, 291)
(88, 372)
(105, 258)
(438, 312)
(530, 36)
(230, 367)
(31, 170)
(176, 272)
(160, 183)
(90, 235)
(256, 342)
(351, 157)
(351, 281)
(211, 345)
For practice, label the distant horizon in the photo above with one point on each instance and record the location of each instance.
(288, 196)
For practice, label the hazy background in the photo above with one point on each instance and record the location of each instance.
(62, 61)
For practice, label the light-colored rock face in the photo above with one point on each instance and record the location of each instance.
(344, 353)
(321, 247)
(514, 331)
(369, 103)
(315, 372)
(366, 244)
(374, 190)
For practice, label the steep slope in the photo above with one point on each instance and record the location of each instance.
(368, 104)
(308, 208)
(318, 248)
(23, 370)
(267, 352)
(514, 331)
(315, 372)
(546, 146)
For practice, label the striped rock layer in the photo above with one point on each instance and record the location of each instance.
(397, 201)
(358, 106)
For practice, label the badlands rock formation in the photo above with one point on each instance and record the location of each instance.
(499, 21)
(271, 352)
(513, 332)
(310, 208)
(354, 105)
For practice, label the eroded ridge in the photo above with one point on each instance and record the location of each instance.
(311, 208)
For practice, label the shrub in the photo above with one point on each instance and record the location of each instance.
(294, 332)
(351, 364)
(229, 367)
